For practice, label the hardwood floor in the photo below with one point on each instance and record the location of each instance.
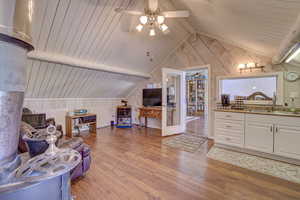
(133, 164)
(197, 126)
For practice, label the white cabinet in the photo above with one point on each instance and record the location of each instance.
(259, 136)
(277, 135)
(287, 141)
(229, 128)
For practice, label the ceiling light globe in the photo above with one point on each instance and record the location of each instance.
(143, 19)
(164, 27)
(160, 19)
(139, 27)
(152, 32)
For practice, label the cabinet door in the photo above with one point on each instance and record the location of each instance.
(287, 139)
(259, 136)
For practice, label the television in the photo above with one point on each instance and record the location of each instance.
(152, 97)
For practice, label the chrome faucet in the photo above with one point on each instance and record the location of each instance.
(274, 99)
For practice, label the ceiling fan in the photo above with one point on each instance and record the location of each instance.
(153, 18)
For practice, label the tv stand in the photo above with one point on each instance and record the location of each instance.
(150, 112)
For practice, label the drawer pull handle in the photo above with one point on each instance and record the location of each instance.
(228, 126)
(228, 139)
(228, 115)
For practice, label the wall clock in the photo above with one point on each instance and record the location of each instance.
(292, 76)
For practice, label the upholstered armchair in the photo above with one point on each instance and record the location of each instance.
(32, 141)
(39, 121)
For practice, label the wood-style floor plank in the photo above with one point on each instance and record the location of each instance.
(134, 164)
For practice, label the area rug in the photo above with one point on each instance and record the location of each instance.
(186, 142)
(262, 165)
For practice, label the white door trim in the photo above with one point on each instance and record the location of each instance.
(170, 130)
(210, 110)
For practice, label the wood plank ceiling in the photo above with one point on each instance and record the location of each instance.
(257, 25)
(90, 30)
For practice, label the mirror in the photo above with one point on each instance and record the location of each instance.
(173, 100)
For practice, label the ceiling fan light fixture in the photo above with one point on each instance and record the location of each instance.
(152, 32)
(143, 19)
(160, 19)
(139, 27)
(164, 27)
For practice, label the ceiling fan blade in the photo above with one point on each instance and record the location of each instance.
(153, 5)
(130, 12)
(176, 14)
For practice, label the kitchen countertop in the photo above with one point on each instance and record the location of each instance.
(261, 112)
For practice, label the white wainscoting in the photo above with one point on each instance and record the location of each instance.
(105, 108)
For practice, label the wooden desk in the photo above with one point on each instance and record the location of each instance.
(150, 112)
(85, 119)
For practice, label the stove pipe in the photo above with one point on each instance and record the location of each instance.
(15, 42)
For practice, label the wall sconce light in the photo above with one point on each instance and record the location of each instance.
(250, 67)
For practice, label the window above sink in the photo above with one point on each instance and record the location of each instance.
(256, 89)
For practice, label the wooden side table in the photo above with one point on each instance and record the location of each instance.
(150, 112)
(85, 119)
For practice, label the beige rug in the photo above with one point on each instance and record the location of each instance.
(186, 142)
(263, 165)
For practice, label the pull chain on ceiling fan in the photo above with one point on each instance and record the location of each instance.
(153, 18)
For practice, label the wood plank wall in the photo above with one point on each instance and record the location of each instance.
(201, 50)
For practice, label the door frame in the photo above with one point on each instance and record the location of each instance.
(182, 126)
(209, 96)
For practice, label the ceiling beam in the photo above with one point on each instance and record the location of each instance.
(75, 62)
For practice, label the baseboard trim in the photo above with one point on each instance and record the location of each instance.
(149, 126)
(260, 154)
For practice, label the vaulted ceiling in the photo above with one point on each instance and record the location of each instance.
(90, 33)
(256, 25)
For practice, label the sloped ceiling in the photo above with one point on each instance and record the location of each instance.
(48, 80)
(90, 30)
(257, 25)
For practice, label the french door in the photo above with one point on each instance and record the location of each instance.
(173, 102)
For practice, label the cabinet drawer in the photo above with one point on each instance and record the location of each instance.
(229, 132)
(233, 140)
(229, 125)
(230, 116)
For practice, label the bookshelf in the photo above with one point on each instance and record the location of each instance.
(124, 119)
(196, 94)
